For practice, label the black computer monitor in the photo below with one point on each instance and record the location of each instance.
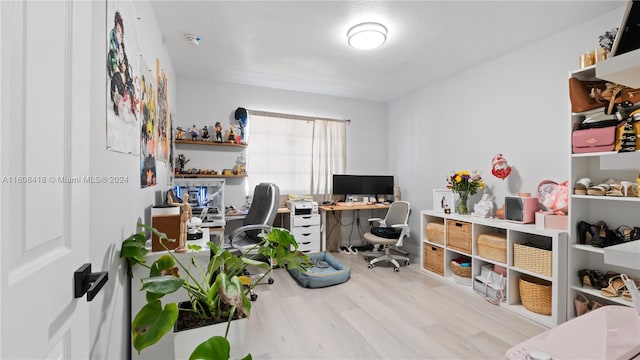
(377, 185)
(347, 185)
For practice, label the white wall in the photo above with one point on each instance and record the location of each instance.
(202, 102)
(516, 105)
(115, 209)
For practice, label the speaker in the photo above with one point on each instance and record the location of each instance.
(520, 209)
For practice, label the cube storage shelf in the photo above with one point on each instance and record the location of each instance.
(515, 234)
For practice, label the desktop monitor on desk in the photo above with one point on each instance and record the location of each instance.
(378, 185)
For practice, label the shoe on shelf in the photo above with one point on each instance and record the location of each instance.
(629, 189)
(586, 232)
(615, 288)
(581, 186)
(600, 189)
(582, 304)
(615, 190)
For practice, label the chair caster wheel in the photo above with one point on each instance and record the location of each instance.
(396, 269)
(254, 297)
(406, 263)
(370, 266)
(270, 281)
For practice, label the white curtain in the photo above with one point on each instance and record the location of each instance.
(300, 156)
(280, 153)
(329, 156)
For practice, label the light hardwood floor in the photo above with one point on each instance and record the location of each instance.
(380, 314)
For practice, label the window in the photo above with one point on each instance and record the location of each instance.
(297, 153)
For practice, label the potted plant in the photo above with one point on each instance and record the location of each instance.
(216, 293)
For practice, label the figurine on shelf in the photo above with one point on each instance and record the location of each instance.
(484, 208)
(194, 133)
(241, 116)
(231, 135)
(205, 133)
(185, 217)
(179, 133)
(182, 161)
(218, 129)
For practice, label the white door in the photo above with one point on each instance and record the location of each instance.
(45, 102)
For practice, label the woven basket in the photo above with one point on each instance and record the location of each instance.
(532, 259)
(464, 272)
(535, 294)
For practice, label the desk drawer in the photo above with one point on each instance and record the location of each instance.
(305, 220)
(311, 233)
(307, 246)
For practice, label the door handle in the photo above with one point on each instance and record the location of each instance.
(86, 282)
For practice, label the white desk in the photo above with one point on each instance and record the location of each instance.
(332, 242)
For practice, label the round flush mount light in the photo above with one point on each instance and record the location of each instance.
(365, 36)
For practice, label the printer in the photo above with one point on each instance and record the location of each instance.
(302, 207)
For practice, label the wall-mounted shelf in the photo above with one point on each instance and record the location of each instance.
(194, 176)
(210, 143)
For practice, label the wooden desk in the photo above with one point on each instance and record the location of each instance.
(332, 242)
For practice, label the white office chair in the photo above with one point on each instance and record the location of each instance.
(390, 231)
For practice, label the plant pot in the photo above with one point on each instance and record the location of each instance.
(185, 341)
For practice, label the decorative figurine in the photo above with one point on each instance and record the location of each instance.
(179, 133)
(218, 129)
(182, 161)
(194, 133)
(185, 217)
(205, 133)
(241, 116)
(484, 208)
(231, 135)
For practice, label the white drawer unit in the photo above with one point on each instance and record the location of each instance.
(306, 230)
(304, 220)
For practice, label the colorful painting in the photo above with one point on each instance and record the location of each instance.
(147, 134)
(123, 81)
(162, 112)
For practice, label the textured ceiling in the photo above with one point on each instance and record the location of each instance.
(301, 45)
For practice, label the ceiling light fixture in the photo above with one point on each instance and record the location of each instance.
(365, 36)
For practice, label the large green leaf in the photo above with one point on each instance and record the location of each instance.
(165, 284)
(215, 348)
(133, 249)
(163, 263)
(151, 323)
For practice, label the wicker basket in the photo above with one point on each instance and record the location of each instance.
(459, 236)
(434, 259)
(535, 294)
(493, 246)
(435, 232)
(461, 271)
(532, 259)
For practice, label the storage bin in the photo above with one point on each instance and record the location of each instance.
(527, 257)
(434, 259)
(535, 294)
(459, 236)
(493, 246)
(435, 232)
(460, 271)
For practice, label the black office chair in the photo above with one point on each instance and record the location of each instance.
(260, 218)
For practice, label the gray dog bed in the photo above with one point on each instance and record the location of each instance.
(326, 271)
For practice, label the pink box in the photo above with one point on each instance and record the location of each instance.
(551, 221)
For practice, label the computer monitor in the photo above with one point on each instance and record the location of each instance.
(347, 185)
(377, 185)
